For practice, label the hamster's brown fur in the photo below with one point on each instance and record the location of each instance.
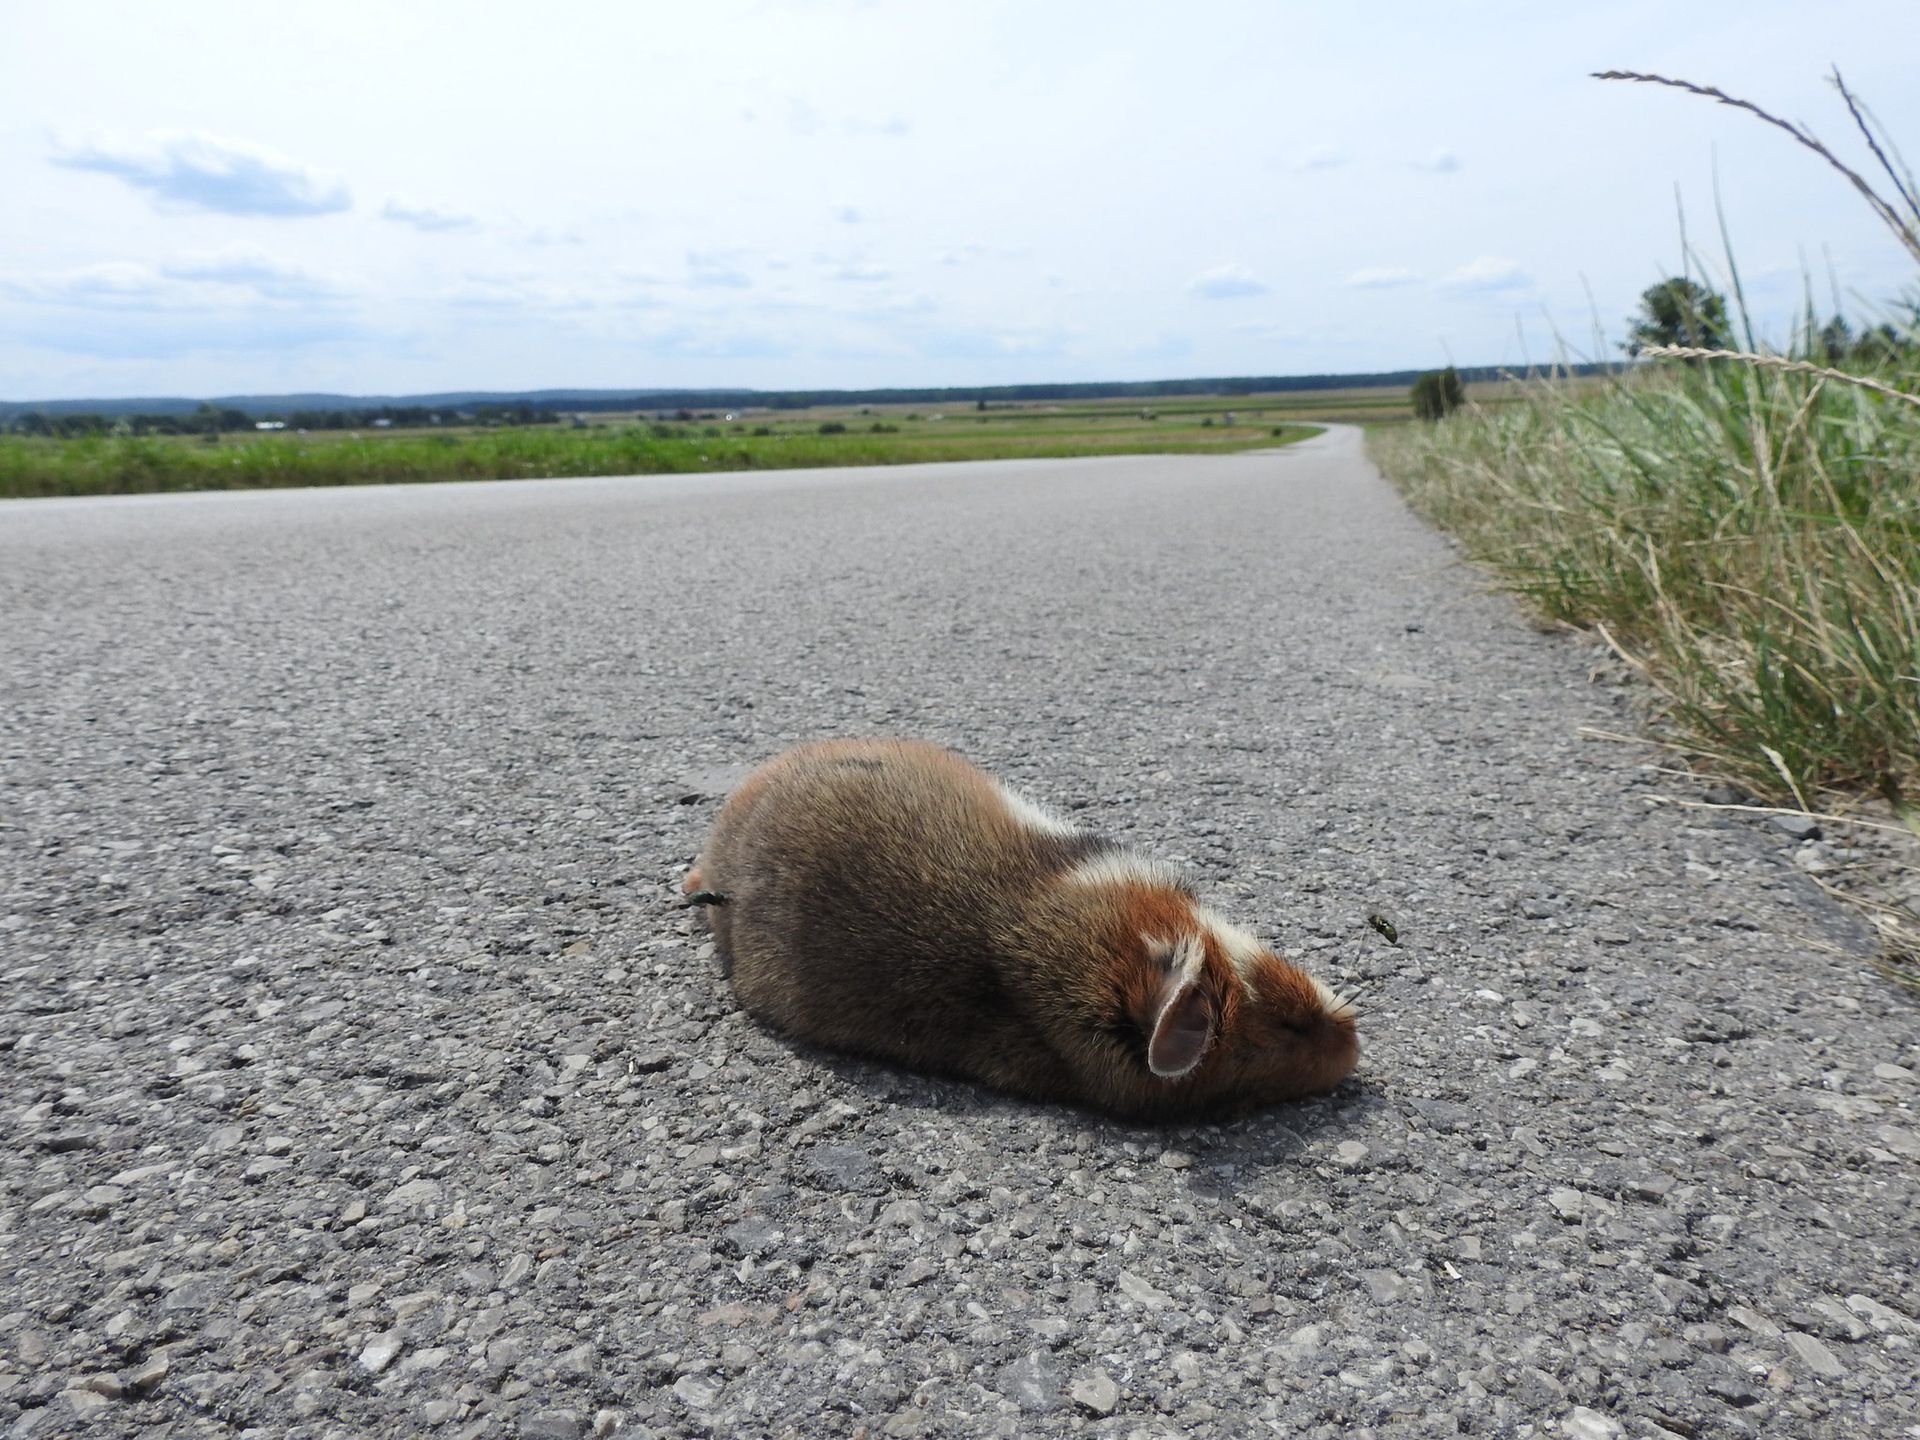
(885, 897)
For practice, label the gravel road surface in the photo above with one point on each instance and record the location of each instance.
(361, 1077)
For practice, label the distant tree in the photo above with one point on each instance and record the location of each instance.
(1836, 342)
(1833, 341)
(1881, 345)
(1438, 393)
(1679, 311)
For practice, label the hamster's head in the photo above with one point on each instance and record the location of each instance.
(1236, 1024)
(1289, 1036)
(1193, 1013)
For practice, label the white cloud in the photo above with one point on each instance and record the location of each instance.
(905, 302)
(540, 295)
(241, 333)
(1268, 329)
(861, 272)
(705, 342)
(239, 275)
(547, 235)
(802, 118)
(432, 219)
(1489, 274)
(1441, 162)
(990, 344)
(230, 302)
(1323, 157)
(954, 256)
(113, 284)
(891, 128)
(1163, 348)
(1381, 278)
(247, 268)
(1226, 282)
(716, 270)
(205, 172)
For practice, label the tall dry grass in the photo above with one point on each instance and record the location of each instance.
(1744, 526)
(1748, 537)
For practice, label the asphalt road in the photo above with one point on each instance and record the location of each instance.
(360, 1076)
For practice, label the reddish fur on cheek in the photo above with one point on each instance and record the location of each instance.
(1286, 993)
(1144, 913)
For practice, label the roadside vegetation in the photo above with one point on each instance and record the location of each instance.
(1741, 525)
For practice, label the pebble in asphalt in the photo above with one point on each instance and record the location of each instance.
(361, 1076)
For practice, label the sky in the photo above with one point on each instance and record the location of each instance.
(212, 198)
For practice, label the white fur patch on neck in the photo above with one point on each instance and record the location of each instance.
(1182, 957)
(1033, 816)
(1118, 867)
(1337, 1006)
(1243, 951)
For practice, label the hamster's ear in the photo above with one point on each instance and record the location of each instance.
(1182, 1030)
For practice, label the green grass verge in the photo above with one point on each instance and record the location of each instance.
(1747, 534)
(129, 465)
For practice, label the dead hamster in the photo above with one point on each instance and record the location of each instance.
(887, 898)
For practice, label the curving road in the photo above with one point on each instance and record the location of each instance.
(361, 1078)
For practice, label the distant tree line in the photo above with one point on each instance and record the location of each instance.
(540, 407)
(1837, 341)
(983, 397)
(207, 420)
(212, 419)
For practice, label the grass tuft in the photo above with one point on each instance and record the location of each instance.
(1744, 527)
(1748, 536)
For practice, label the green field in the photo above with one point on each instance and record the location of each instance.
(627, 445)
(647, 444)
(655, 444)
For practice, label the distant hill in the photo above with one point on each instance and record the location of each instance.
(261, 406)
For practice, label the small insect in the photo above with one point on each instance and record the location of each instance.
(1385, 927)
